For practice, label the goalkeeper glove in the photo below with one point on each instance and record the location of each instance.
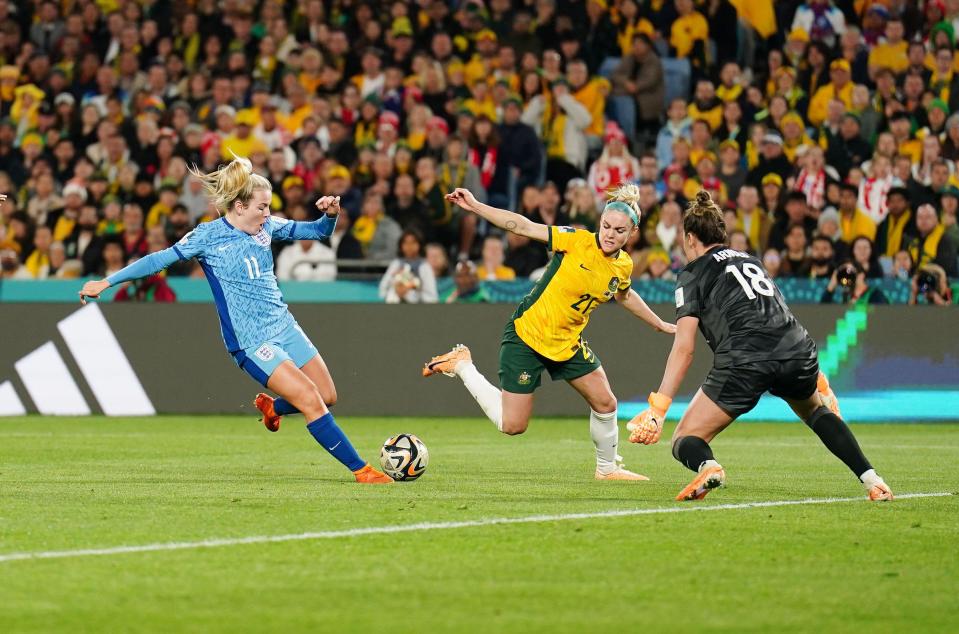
(647, 426)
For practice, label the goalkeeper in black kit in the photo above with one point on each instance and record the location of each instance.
(758, 346)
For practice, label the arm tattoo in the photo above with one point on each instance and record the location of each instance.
(510, 225)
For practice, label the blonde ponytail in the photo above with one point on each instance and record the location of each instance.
(232, 182)
(625, 199)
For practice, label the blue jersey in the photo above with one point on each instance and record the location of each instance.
(239, 269)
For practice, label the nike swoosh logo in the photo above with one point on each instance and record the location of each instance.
(584, 268)
(336, 445)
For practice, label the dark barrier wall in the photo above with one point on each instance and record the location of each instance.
(375, 353)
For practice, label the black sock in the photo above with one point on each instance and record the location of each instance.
(692, 451)
(838, 438)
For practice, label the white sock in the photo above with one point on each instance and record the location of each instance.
(486, 394)
(605, 434)
(709, 463)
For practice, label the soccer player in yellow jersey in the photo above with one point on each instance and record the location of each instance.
(587, 269)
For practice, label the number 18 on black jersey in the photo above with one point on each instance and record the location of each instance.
(741, 313)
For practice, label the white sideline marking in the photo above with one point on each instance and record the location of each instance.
(429, 526)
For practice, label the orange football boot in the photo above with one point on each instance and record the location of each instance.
(707, 480)
(264, 403)
(446, 363)
(369, 475)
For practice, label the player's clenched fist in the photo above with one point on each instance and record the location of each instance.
(647, 426)
(330, 205)
(462, 197)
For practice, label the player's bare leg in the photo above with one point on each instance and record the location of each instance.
(603, 427)
(508, 411)
(702, 421)
(318, 372)
(273, 410)
(295, 386)
(839, 439)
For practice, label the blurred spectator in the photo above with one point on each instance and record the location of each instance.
(796, 213)
(895, 230)
(932, 245)
(306, 260)
(795, 261)
(865, 258)
(639, 88)
(409, 279)
(678, 125)
(821, 258)
(853, 286)
(438, 260)
(114, 257)
(491, 267)
(666, 232)
(615, 164)
(771, 160)
(853, 221)
(561, 122)
(377, 233)
(37, 263)
(752, 219)
(902, 265)
(581, 205)
(467, 289)
(657, 265)
(931, 284)
(772, 262)
(738, 241)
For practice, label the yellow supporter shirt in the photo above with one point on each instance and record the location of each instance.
(713, 116)
(859, 225)
(593, 97)
(502, 272)
(820, 101)
(891, 56)
(686, 30)
(579, 278)
(242, 147)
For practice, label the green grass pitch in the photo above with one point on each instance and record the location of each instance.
(848, 566)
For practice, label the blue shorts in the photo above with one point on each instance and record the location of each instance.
(261, 360)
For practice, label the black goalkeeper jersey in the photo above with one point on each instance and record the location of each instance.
(741, 312)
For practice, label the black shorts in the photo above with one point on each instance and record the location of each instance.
(737, 389)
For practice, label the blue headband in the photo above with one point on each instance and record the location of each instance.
(621, 207)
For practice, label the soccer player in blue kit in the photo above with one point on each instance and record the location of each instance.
(258, 329)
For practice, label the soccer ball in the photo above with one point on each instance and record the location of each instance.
(404, 457)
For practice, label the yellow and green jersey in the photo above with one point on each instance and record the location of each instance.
(579, 278)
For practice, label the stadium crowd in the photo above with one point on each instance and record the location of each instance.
(829, 131)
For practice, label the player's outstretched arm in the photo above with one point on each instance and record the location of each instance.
(508, 220)
(680, 357)
(647, 426)
(145, 266)
(631, 301)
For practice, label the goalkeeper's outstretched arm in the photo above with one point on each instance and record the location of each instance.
(680, 357)
(508, 220)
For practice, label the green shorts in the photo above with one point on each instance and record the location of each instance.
(520, 366)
